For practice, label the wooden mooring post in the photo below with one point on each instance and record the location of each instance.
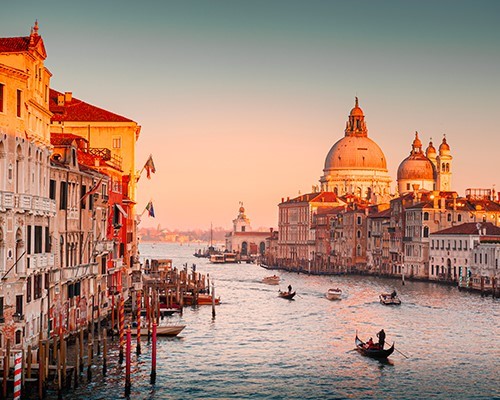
(128, 382)
(153, 356)
(104, 353)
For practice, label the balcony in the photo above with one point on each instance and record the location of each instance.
(407, 239)
(40, 261)
(79, 272)
(28, 203)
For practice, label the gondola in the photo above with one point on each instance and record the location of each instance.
(373, 352)
(286, 295)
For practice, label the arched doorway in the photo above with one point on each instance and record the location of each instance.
(262, 248)
(244, 248)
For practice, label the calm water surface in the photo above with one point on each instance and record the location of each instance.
(262, 347)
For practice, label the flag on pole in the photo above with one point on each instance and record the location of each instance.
(93, 190)
(150, 166)
(151, 210)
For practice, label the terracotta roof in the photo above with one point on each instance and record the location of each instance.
(17, 44)
(78, 110)
(64, 139)
(316, 197)
(470, 228)
(381, 214)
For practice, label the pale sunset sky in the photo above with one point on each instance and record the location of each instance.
(242, 100)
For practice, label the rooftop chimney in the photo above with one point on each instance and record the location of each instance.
(68, 96)
(60, 100)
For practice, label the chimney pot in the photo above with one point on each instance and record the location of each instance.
(68, 96)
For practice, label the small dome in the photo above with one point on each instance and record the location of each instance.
(356, 111)
(242, 210)
(431, 150)
(416, 142)
(444, 147)
(416, 167)
(357, 153)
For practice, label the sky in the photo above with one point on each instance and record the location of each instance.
(242, 100)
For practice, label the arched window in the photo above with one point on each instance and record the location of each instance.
(262, 248)
(449, 217)
(459, 218)
(447, 167)
(18, 336)
(426, 231)
(244, 248)
(358, 234)
(442, 167)
(426, 216)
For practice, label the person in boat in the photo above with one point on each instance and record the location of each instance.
(370, 344)
(381, 339)
(394, 294)
(289, 288)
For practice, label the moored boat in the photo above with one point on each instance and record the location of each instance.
(372, 351)
(271, 280)
(390, 299)
(161, 330)
(286, 295)
(334, 294)
(203, 299)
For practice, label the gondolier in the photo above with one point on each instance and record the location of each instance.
(381, 339)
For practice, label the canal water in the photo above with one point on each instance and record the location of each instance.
(260, 346)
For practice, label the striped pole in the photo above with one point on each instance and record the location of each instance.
(153, 356)
(122, 327)
(17, 375)
(138, 322)
(128, 383)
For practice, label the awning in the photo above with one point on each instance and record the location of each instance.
(120, 208)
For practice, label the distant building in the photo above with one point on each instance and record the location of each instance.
(242, 240)
(467, 254)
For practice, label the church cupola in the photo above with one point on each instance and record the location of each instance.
(416, 146)
(443, 163)
(356, 125)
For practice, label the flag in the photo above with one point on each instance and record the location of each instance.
(93, 190)
(150, 167)
(151, 210)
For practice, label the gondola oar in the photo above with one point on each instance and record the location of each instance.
(404, 355)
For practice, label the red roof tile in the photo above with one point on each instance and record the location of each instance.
(470, 228)
(78, 110)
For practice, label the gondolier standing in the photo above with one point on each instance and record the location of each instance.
(289, 288)
(381, 339)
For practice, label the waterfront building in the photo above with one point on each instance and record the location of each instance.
(466, 254)
(111, 137)
(355, 165)
(296, 241)
(320, 226)
(242, 240)
(378, 238)
(79, 234)
(27, 256)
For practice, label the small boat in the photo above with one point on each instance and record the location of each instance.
(374, 351)
(334, 294)
(390, 299)
(203, 299)
(217, 259)
(161, 330)
(271, 280)
(286, 295)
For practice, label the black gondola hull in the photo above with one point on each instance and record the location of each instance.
(373, 353)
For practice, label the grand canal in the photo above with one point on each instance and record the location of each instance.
(262, 347)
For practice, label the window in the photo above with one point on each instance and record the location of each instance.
(28, 239)
(358, 234)
(1, 309)
(18, 108)
(52, 189)
(432, 244)
(83, 190)
(117, 142)
(407, 186)
(18, 336)
(63, 200)
(426, 216)
(426, 231)
(28, 289)
(19, 304)
(459, 218)
(38, 239)
(359, 220)
(449, 217)
(1, 96)
(47, 239)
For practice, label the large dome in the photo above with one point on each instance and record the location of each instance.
(416, 167)
(355, 152)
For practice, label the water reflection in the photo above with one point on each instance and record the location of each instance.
(262, 347)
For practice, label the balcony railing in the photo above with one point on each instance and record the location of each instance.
(27, 202)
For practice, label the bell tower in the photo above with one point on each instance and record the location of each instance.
(443, 164)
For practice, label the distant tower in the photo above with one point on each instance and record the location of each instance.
(443, 161)
(241, 223)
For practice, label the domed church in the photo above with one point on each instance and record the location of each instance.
(429, 171)
(356, 164)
